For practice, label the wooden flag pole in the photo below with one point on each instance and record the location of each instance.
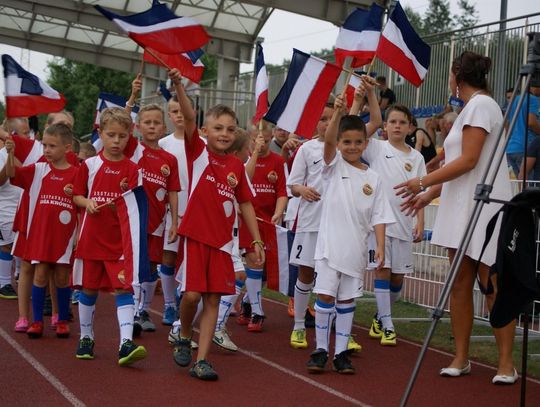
(142, 65)
(158, 58)
(347, 80)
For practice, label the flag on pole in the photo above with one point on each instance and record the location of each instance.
(261, 85)
(26, 94)
(359, 36)
(160, 29)
(277, 256)
(402, 49)
(188, 63)
(354, 82)
(132, 210)
(300, 102)
(164, 91)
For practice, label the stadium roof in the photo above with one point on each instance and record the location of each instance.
(74, 29)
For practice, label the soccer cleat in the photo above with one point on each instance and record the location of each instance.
(222, 338)
(21, 325)
(182, 352)
(353, 346)
(256, 323)
(54, 322)
(146, 323)
(342, 364)
(203, 370)
(317, 361)
(245, 314)
(130, 352)
(7, 292)
(85, 350)
(290, 307)
(389, 338)
(309, 319)
(298, 339)
(62, 329)
(174, 335)
(35, 330)
(376, 329)
(169, 316)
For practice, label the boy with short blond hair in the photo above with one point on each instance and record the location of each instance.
(99, 255)
(217, 180)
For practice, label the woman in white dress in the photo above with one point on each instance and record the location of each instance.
(468, 150)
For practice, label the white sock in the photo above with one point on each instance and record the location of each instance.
(344, 320)
(148, 288)
(395, 293)
(168, 284)
(254, 288)
(136, 298)
(382, 295)
(301, 301)
(323, 323)
(6, 261)
(87, 308)
(125, 315)
(225, 305)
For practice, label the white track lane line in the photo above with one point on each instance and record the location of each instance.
(442, 352)
(291, 373)
(42, 370)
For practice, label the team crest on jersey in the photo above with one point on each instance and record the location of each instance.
(367, 189)
(232, 180)
(272, 177)
(124, 185)
(122, 276)
(68, 189)
(165, 170)
(408, 166)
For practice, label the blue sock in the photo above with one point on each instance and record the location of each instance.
(64, 296)
(38, 301)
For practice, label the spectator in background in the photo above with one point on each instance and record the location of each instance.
(532, 163)
(387, 96)
(509, 92)
(516, 146)
(280, 136)
(421, 141)
(446, 124)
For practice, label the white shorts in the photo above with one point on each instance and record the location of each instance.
(303, 249)
(398, 255)
(171, 247)
(332, 282)
(7, 236)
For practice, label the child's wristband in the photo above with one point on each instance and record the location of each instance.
(258, 242)
(422, 188)
(128, 105)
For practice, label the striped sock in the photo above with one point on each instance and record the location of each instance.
(382, 295)
(125, 311)
(324, 313)
(301, 300)
(254, 288)
(168, 284)
(344, 320)
(87, 307)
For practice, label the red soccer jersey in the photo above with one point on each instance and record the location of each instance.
(51, 211)
(103, 180)
(269, 183)
(215, 182)
(160, 176)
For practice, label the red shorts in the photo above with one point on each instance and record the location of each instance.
(205, 269)
(245, 237)
(19, 245)
(155, 248)
(101, 275)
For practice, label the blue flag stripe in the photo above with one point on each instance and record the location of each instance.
(296, 67)
(369, 20)
(418, 47)
(158, 13)
(195, 55)
(259, 59)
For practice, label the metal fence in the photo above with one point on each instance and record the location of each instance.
(431, 266)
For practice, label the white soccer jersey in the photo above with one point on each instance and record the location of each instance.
(177, 148)
(9, 198)
(306, 170)
(394, 167)
(354, 202)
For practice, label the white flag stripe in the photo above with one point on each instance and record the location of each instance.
(283, 259)
(134, 227)
(354, 81)
(393, 34)
(307, 80)
(145, 29)
(354, 41)
(13, 88)
(261, 83)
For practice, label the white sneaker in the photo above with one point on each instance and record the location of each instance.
(221, 338)
(174, 335)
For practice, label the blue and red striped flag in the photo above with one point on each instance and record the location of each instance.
(402, 49)
(160, 29)
(132, 210)
(300, 102)
(261, 85)
(359, 36)
(26, 94)
(188, 63)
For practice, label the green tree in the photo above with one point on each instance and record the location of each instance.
(210, 68)
(468, 16)
(81, 84)
(438, 19)
(416, 20)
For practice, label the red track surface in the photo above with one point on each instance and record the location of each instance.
(266, 371)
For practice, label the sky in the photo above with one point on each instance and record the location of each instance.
(285, 31)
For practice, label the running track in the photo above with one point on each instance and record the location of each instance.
(265, 371)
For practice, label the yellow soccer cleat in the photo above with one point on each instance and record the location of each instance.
(389, 338)
(298, 339)
(353, 346)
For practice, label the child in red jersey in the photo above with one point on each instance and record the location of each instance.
(267, 173)
(51, 212)
(217, 180)
(161, 183)
(99, 262)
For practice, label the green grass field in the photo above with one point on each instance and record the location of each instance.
(483, 351)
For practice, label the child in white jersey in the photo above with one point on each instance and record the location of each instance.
(354, 203)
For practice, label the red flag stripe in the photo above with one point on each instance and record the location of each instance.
(396, 59)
